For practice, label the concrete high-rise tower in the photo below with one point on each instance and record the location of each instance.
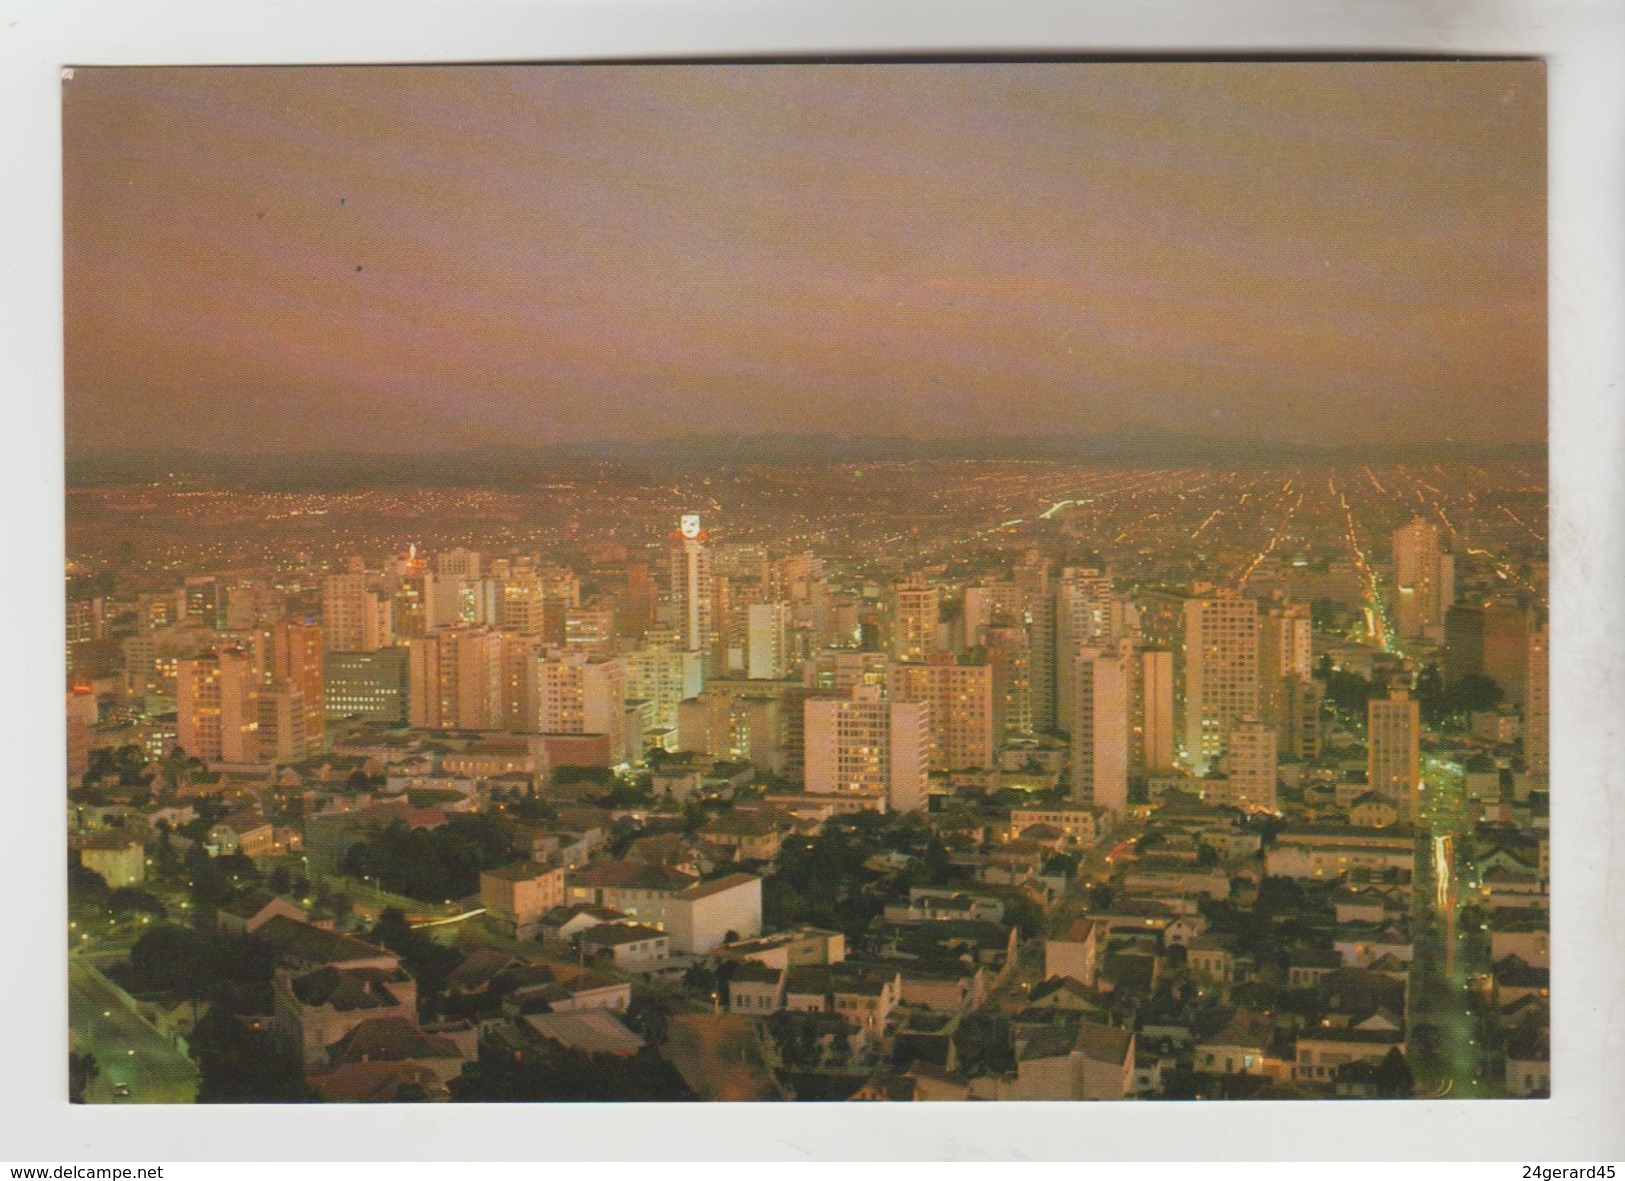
(1099, 729)
(693, 588)
(1221, 674)
(1393, 745)
(1424, 580)
(867, 746)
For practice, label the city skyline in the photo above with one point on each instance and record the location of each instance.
(412, 259)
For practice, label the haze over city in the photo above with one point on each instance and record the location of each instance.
(928, 582)
(425, 259)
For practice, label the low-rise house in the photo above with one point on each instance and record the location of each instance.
(755, 990)
(245, 832)
(1069, 995)
(1158, 876)
(1529, 1064)
(563, 923)
(1322, 1051)
(1212, 957)
(1091, 1061)
(797, 947)
(750, 835)
(943, 987)
(1074, 953)
(1307, 967)
(1330, 851)
(516, 897)
(377, 1082)
(1241, 1047)
(581, 992)
(595, 1031)
(1514, 979)
(1361, 944)
(397, 1039)
(249, 911)
(298, 946)
(866, 998)
(1075, 826)
(315, 1010)
(120, 860)
(1525, 934)
(640, 891)
(926, 905)
(1504, 888)
(632, 947)
(703, 916)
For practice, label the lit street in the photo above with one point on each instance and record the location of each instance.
(128, 1051)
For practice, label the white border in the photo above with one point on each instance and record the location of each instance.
(1582, 41)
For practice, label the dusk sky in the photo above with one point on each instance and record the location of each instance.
(410, 259)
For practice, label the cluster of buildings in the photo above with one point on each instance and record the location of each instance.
(1136, 764)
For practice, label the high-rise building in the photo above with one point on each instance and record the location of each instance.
(216, 707)
(1537, 706)
(1393, 746)
(454, 679)
(639, 602)
(371, 686)
(1099, 728)
(1010, 659)
(867, 746)
(1152, 747)
(915, 609)
(578, 695)
(1221, 674)
(288, 665)
(590, 630)
(664, 676)
(960, 699)
(992, 604)
(1038, 605)
(1424, 579)
(1085, 619)
(768, 642)
(355, 618)
(1249, 767)
(1301, 737)
(693, 589)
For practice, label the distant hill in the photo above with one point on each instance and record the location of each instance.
(520, 467)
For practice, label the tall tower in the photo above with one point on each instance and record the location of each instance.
(869, 747)
(1154, 711)
(1420, 577)
(1221, 674)
(1249, 767)
(692, 588)
(1099, 729)
(1084, 621)
(216, 707)
(1393, 744)
(1038, 604)
(960, 698)
(767, 641)
(355, 618)
(1537, 725)
(914, 621)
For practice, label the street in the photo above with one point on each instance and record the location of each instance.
(128, 1051)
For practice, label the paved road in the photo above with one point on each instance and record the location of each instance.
(1438, 987)
(127, 1049)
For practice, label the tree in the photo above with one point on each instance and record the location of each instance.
(1393, 1077)
(128, 900)
(82, 1071)
(557, 1075)
(238, 1063)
